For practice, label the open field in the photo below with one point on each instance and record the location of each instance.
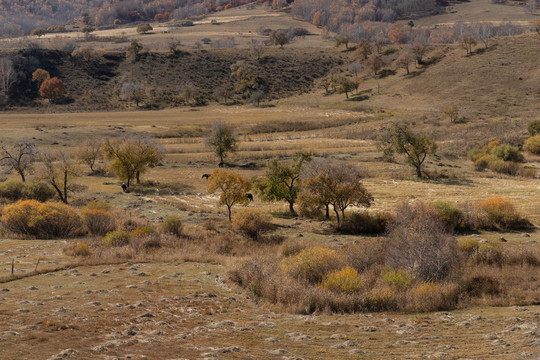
(180, 301)
(242, 24)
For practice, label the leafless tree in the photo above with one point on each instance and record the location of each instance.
(59, 170)
(419, 243)
(20, 159)
(133, 91)
(7, 74)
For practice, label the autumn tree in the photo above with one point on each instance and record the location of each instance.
(232, 187)
(59, 171)
(132, 155)
(222, 139)
(52, 89)
(144, 28)
(415, 146)
(403, 61)
(134, 50)
(38, 32)
(90, 152)
(363, 49)
(374, 63)
(335, 183)
(346, 85)
(467, 42)
(282, 181)
(40, 76)
(279, 38)
(343, 40)
(133, 91)
(20, 158)
(398, 34)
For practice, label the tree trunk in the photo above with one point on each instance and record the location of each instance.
(138, 177)
(337, 216)
(418, 172)
(291, 208)
(65, 187)
(327, 211)
(229, 208)
(22, 176)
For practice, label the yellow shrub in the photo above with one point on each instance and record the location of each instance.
(532, 145)
(116, 238)
(98, 205)
(312, 264)
(432, 296)
(81, 249)
(381, 299)
(397, 278)
(468, 245)
(142, 231)
(172, 225)
(98, 221)
(346, 280)
(42, 220)
(502, 213)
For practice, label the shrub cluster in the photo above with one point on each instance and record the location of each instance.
(172, 225)
(365, 222)
(312, 264)
(500, 158)
(495, 213)
(116, 238)
(42, 220)
(532, 145)
(346, 280)
(252, 223)
(18, 190)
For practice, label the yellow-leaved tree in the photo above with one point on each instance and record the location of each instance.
(233, 188)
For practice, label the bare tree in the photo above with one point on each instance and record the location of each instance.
(90, 152)
(419, 243)
(20, 159)
(59, 171)
(7, 74)
(133, 91)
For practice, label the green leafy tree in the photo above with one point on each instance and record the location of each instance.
(282, 181)
(232, 187)
(132, 156)
(222, 139)
(415, 146)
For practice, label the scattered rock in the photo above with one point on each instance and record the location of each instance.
(271, 340)
(278, 352)
(105, 271)
(357, 352)
(23, 310)
(65, 354)
(32, 288)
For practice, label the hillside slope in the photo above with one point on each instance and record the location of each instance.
(503, 80)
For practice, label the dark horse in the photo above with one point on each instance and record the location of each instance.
(206, 176)
(249, 196)
(220, 164)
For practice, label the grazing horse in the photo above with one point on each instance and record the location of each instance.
(206, 176)
(124, 187)
(249, 196)
(220, 164)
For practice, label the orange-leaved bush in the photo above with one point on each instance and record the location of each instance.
(43, 220)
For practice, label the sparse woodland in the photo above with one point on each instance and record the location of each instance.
(391, 175)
